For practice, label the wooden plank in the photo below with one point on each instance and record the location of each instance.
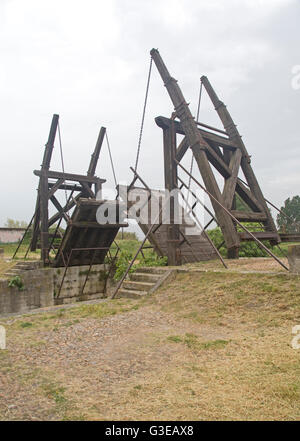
(68, 176)
(261, 235)
(230, 183)
(66, 208)
(248, 216)
(71, 187)
(170, 169)
(289, 237)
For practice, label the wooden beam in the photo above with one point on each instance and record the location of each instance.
(68, 176)
(66, 208)
(248, 216)
(71, 187)
(55, 187)
(181, 149)
(59, 208)
(96, 153)
(230, 183)
(163, 122)
(261, 235)
(170, 169)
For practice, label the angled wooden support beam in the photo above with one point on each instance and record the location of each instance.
(66, 208)
(236, 138)
(198, 146)
(50, 143)
(182, 149)
(55, 187)
(230, 183)
(59, 208)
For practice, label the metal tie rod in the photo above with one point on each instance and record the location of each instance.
(234, 218)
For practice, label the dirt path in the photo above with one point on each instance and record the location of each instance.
(209, 346)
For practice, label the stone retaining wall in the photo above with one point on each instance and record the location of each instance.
(41, 286)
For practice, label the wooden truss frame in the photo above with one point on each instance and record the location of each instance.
(84, 186)
(223, 150)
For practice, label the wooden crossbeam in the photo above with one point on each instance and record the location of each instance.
(162, 122)
(68, 176)
(59, 208)
(66, 208)
(55, 187)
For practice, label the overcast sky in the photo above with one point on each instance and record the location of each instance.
(88, 61)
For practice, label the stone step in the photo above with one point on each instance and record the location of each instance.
(12, 273)
(28, 265)
(24, 265)
(144, 277)
(129, 294)
(151, 269)
(137, 286)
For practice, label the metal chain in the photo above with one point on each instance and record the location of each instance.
(143, 117)
(192, 160)
(111, 160)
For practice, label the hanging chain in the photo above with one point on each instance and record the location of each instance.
(111, 160)
(143, 117)
(192, 160)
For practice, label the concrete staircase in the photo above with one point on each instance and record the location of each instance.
(144, 281)
(20, 267)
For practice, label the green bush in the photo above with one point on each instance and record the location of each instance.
(126, 236)
(247, 249)
(125, 257)
(17, 282)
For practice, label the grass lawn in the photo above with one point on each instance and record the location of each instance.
(211, 345)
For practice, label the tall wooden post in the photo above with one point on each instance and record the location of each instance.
(41, 211)
(170, 169)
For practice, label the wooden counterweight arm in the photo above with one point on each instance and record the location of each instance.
(198, 146)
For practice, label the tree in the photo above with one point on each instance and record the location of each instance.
(11, 223)
(291, 222)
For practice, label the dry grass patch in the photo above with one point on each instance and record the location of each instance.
(211, 345)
